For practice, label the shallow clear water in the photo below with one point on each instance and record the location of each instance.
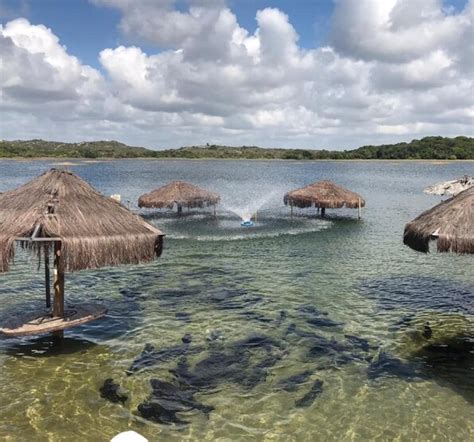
(222, 283)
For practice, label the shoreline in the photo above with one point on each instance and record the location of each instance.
(60, 160)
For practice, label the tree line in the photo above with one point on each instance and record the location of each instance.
(428, 148)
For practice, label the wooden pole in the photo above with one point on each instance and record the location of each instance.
(180, 209)
(359, 209)
(215, 214)
(323, 212)
(291, 206)
(47, 276)
(58, 304)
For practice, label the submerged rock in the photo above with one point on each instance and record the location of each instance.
(254, 316)
(183, 316)
(167, 399)
(315, 317)
(256, 340)
(310, 310)
(331, 353)
(427, 331)
(187, 338)
(282, 315)
(356, 341)
(153, 411)
(292, 383)
(292, 329)
(217, 367)
(214, 335)
(151, 357)
(420, 293)
(323, 322)
(232, 299)
(385, 365)
(111, 392)
(431, 328)
(311, 395)
(244, 362)
(182, 398)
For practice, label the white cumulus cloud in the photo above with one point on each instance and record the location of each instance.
(391, 70)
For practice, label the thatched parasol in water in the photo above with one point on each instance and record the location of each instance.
(452, 187)
(323, 195)
(181, 194)
(450, 223)
(86, 231)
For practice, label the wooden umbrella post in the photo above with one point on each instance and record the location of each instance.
(215, 213)
(291, 207)
(180, 209)
(359, 209)
(58, 305)
(47, 276)
(323, 212)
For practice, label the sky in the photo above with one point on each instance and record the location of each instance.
(314, 74)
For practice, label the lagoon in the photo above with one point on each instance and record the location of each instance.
(340, 301)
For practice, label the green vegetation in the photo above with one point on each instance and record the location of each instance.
(437, 148)
(92, 149)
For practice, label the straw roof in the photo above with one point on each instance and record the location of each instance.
(451, 222)
(179, 193)
(324, 194)
(94, 231)
(452, 187)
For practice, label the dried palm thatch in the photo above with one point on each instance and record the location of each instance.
(180, 194)
(93, 230)
(325, 195)
(451, 223)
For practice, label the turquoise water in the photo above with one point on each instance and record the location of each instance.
(338, 300)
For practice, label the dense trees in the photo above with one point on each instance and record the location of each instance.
(427, 148)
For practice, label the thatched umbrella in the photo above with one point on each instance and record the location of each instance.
(450, 223)
(181, 194)
(452, 187)
(85, 229)
(323, 195)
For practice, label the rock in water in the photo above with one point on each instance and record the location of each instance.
(153, 411)
(183, 316)
(292, 383)
(150, 356)
(310, 310)
(244, 362)
(187, 338)
(281, 318)
(313, 393)
(178, 395)
(111, 392)
(323, 322)
(167, 399)
(385, 365)
(427, 332)
(358, 342)
(214, 335)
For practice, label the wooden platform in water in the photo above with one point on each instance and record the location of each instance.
(34, 323)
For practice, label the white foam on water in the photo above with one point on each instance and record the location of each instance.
(249, 234)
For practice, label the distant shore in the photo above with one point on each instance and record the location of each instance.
(428, 148)
(63, 161)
